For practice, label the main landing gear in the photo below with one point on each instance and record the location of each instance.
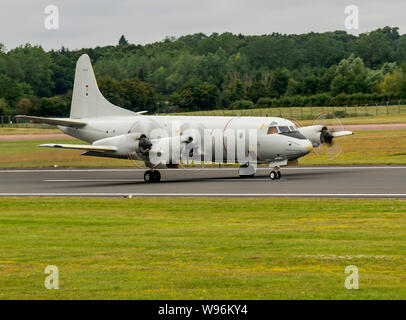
(275, 175)
(246, 171)
(151, 176)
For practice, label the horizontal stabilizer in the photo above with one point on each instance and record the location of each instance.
(341, 133)
(80, 147)
(66, 122)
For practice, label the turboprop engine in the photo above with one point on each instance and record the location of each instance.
(153, 150)
(126, 144)
(319, 134)
(173, 150)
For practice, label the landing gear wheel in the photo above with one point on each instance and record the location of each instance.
(148, 176)
(156, 176)
(273, 175)
(279, 175)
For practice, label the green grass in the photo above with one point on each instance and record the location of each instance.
(28, 154)
(27, 130)
(167, 248)
(365, 147)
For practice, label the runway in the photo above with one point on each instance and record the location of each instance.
(331, 181)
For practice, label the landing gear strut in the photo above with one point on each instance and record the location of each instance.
(152, 176)
(275, 175)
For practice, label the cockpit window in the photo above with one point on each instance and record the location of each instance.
(272, 130)
(284, 129)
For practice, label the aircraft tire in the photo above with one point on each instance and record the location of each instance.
(148, 176)
(156, 176)
(279, 175)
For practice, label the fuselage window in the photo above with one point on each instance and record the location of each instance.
(272, 130)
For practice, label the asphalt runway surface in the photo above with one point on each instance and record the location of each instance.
(331, 181)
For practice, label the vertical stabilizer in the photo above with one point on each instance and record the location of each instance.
(87, 100)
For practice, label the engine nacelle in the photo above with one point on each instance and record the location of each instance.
(171, 150)
(126, 144)
(313, 133)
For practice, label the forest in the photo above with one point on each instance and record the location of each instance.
(217, 71)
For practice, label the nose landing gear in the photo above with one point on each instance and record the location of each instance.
(151, 176)
(275, 175)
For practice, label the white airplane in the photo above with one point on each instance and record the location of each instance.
(162, 141)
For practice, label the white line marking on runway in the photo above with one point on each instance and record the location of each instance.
(134, 180)
(340, 195)
(95, 180)
(197, 169)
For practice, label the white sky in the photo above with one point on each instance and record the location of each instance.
(91, 23)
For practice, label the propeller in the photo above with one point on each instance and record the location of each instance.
(149, 130)
(193, 137)
(144, 145)
(322, 133)
(330, 126)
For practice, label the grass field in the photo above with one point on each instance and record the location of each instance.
(28, 154)
(169, 248)
(365, 147)
(28, 130)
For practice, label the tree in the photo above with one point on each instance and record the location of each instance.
(53, 106)
(207, 96)
(202, 96)
(123, 41)
(393, 84)
(279, 82)
(377, 46)
(110, 88)
(28, 106)
(198, 71)
(12, 90)
(32, 65)
(401, 50)
(63, 71)
(138, 94)
(350, 76)
(256, 91)
(132, 94)
(4, 107)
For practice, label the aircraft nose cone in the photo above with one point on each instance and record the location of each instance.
(307, 147)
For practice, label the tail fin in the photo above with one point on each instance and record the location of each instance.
(87, 100)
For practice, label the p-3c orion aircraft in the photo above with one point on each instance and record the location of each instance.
(162, 141)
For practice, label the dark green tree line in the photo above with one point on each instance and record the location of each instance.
(200, 72)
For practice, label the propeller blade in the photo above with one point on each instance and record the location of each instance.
(332, 128)
(341, 133)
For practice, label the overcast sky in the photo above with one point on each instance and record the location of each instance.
(90, 23)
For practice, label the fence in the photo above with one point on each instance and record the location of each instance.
(307, 113)
(13, 122)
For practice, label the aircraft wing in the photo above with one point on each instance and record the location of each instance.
(80, 147)
(66, 122)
